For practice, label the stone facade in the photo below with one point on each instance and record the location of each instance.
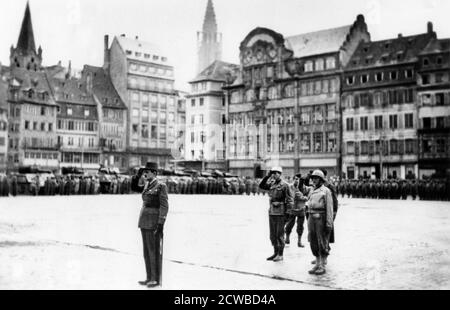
(433, 92)
(283, 107)
(144, 79)
(379, 108)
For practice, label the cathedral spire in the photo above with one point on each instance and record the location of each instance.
(26, 37)
(209, 23)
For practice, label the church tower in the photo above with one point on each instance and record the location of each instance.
(24, 55)
(209, 40)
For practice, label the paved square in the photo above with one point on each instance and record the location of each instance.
(218, 242)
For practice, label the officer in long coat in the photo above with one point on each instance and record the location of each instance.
(281, 200)
(151, 220)
(320, 221)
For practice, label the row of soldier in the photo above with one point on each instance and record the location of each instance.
(93, 185)
(395, 189)
(63, 185)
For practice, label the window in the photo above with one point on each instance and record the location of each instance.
(426, 121)
(393, 147)
(154, 133)
(364, 79)
(318, 114)
(144, 131)
(272, 92)
(440, 122)
(426, 62)
(135, 129)
(69, 111)
(135, 112)
(409, 122)
(394, 75)
(393, 122)
(305, 142)
(202, 101)
(364, 123)
(378, 122)
(201, 118)
(379, 77)
(308, 66)
(305, 113)
(87, 113)
(439, 78)
(409, 73)
(318, 142)
(331, 63)
(27, 125)
(350, 124)
(42, 126)
(409, 146)
(331, 142)
(192, 137)
(331, 113)
(440, 145)
(440, 99)
(425, 79)
(350, 80)
(50, 127)
(364, 147)
(350, 148)
(319, 65)
(192, 119)
(426, 99)
(145, 116)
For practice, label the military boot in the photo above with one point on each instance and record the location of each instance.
(275, 254)
(299, 242)
(287, 241)
(321, 268)
(279, 257)
(316, 265)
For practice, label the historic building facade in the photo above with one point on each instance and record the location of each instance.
(209, 40)
(379, 108)
(112, 113)
(283, 107)
(3, 121)
(433, 91)
(144, 79)
(206, 114)
(32, 138)
(77, 124)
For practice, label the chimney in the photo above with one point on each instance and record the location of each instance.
(400, 36)
(430, 27)
(137, 38)
(106, 58)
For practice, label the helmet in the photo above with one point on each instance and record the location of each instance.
(318, 173)
(277, 169)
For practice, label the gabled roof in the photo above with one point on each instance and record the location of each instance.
(143, 47)
(437, 46)
(29, 79)
(318, 42)
(26, 37)
(102, 87)
(71, 90)
(390, 52)
(218, 71)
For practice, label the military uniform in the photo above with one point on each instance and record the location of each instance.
(296, 213)
(152, 216)
(281, 200)
(320, 224)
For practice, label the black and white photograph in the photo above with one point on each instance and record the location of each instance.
(224, 145)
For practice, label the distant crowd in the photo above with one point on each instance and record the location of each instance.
(46, 185)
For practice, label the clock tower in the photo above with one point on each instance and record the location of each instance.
(209, 40)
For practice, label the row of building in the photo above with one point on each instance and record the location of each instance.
(332, 99)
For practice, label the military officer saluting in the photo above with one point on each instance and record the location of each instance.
(281, 200)
(151, 220)
(320, 221)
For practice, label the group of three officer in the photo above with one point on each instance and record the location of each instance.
(320, 206)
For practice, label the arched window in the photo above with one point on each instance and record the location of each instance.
(250, 95)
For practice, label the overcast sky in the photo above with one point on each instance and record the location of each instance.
(74, 29)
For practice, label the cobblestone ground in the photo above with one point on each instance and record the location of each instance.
(218, 242)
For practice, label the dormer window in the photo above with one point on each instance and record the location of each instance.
(364, 79)
(409, 73)
(350, 80)
(384, 58)
(155, 57)
(439, 61)
(426, 62)
(387, 45)
(379, 76)
(394, 75)
(137, 54)
(146, 56)
(400, 56)
(366, 50)
(129, 52)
